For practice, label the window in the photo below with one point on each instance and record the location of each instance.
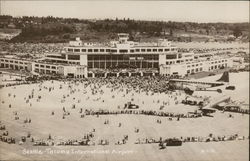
(76, 50)
(132, 51)
(101, 50)
(90, 65)
(154, 50)
(113, 50)
(148, 50)
(47, 66)
(102, 57)
(160, 50)
(53, 67)
(42, 66)
(83, 50)
(143, 50)
(36, 65)
(95, 50)
(166, 49)
(172, 56)
(90, 50)
(137, 50)
(123, 51)
(70, 50)
(73, 57)
(107, 50)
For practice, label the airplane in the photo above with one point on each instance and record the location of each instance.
(193, 85)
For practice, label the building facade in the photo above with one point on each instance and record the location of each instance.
(122, 57)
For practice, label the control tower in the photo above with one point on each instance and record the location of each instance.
(123, 38)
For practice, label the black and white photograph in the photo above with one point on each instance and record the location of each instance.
(124, 80)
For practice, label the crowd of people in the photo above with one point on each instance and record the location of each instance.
(4, 136)
(88, 140)
(143, 112)
(95, 89)
(31, 48)
(208, 50)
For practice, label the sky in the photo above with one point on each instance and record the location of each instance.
(183, 11)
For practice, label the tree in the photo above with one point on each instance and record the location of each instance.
(207, 31)
(171, 32)
(237, 32)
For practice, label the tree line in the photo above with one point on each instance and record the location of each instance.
(55, 26)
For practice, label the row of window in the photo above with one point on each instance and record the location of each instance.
(195, 65)
(11, 61)
(173, 56)
(120, 51)
(13, 66)
(122, 57)
(194, 70)
(45, 66)
(64, 61)
(178, 61)
(63, 56)
(217, 66)
(218, 61)
(44, 71)
(107, 65)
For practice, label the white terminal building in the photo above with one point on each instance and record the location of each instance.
(119, 58)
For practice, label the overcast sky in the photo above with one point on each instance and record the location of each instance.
(194, 11)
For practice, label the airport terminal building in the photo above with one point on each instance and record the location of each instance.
(118, 58)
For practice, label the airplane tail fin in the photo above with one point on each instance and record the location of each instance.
(224, 77)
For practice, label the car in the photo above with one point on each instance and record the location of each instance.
(230, 87)
(173, 142)
(133, 106)
(211, 74)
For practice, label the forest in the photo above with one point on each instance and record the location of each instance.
(56, 29)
